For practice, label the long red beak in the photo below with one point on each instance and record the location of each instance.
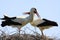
(35, 13)
(26, 13)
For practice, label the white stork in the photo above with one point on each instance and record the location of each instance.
(19, 22)
(43, 24)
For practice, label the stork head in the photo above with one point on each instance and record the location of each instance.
(33, 10)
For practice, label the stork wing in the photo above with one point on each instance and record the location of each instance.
(47, 23)
(36, 22)
(7, 18)
(9, 23)
(20, 20)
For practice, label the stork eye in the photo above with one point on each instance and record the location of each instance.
(34, 11)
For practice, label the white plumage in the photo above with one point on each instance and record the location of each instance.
(19, 22)
(43, 24)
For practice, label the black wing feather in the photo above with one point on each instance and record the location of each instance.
(47, 23)
(9, 22)
(7, 18)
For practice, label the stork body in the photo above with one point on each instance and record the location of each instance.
(18, 22)
(43, 24)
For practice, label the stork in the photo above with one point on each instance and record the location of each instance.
(43, 24)
(19, 22)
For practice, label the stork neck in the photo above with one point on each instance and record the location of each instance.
(31, 16)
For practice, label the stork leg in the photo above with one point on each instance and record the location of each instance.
(19, 30)
(42, 36)
(35, 30)
(42, 32)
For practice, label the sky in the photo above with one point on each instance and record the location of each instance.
(48, 9)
